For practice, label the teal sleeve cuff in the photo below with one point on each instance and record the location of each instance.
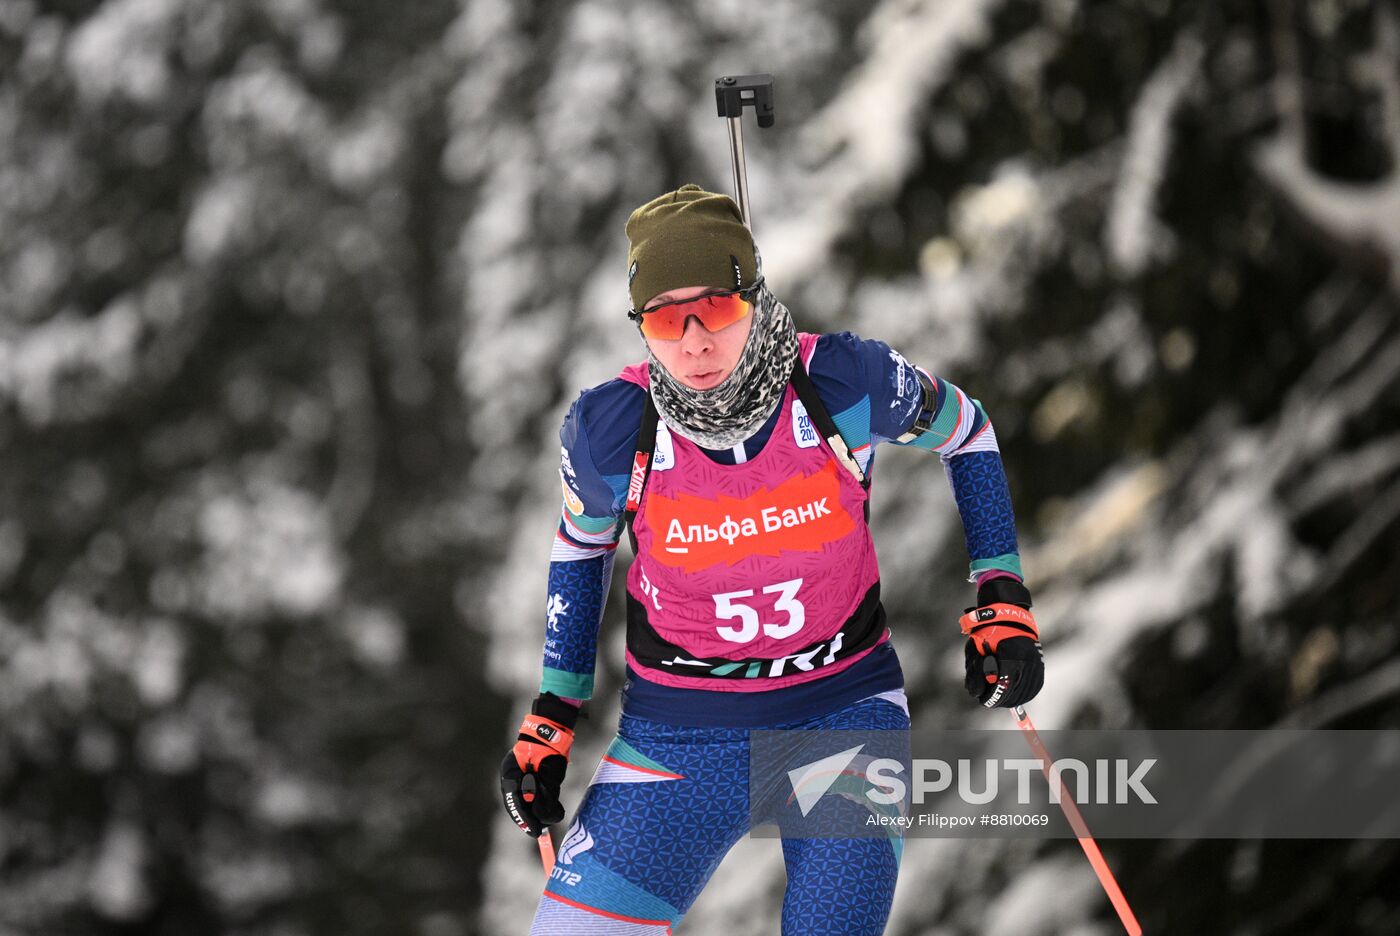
(567, 685)
(593, 525)
(1010, 562)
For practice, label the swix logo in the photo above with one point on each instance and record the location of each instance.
(639, 477)
(803, 514)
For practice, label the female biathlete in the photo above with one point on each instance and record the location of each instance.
(738, 460)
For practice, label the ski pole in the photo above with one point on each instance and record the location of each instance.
(1076, 822)
(547, 852)
(528, 787)
(732, 94)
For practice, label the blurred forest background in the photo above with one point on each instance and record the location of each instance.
(293, 296)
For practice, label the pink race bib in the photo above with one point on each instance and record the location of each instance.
(752, 576)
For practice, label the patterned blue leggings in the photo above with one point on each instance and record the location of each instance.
(665, 806)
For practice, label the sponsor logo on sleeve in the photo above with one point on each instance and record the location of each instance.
(571, 500)
(904, 382)
(664, 458)
(555, 610)
(803, 432)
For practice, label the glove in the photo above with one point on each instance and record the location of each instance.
(1004, 663)
(534, 768)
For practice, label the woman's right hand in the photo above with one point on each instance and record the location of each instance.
(533, 770)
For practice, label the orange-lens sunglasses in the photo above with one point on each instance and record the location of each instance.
(715, 311)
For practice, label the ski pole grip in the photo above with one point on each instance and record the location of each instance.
(735, 92)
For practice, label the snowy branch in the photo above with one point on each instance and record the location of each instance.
(1364, 217)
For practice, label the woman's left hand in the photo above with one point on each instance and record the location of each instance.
(1005, 667)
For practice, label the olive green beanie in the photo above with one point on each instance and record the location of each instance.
(689, 237)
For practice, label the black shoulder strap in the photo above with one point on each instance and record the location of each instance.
(816, 411)
(641, 465)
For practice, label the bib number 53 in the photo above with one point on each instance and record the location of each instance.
(727, 606)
